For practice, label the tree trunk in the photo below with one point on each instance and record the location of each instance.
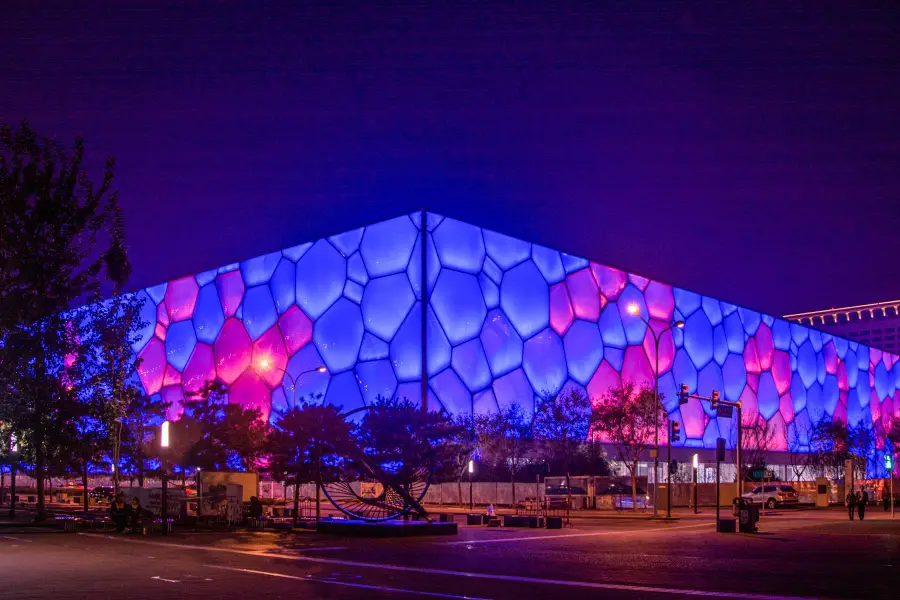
(41, 514)
(296, 499)
(634, 486)
(117, 453)
(84, 483)
(512, 473)
(140, 472)
(183, 477)
(318, 502)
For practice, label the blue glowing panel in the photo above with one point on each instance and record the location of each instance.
(471, 365)
(852, 368)
(506, 251)
(157, 292)
(709, 379)
(208, 317)
(684, 371)
(459, 245)
(320, 278)
(610, 325)
(356, 269)
(491, 269)
(387, 247)
(257, 271)
(148, 316)
(751, 320)
(806, 364)
(283, 285)
(720, 345)
(815, 338)
(734, 373)
(280, 405)
(841, 346)
(545, 363)
(353, 291)
(862, 355)
(549, 263)
(229, 268)
(635, 327)
(343, 391)
(883, 382)
(385, 304)
(711, 434)
(615, 357)
(798, 394)
(459, 305)
(514, 388)
(206, 277)
(799, 334)
(348, 242)
(501, 344)
(830, 394)
(584, 350)
(259, 310)
(573, 263)
(432, 264)
(376, 378)
(373, 348)
(734, 333)
(713, 310)
(406, 347)
(295, 253)
(452, 393)
(180, 340)
(698, 339)
(524, 296)
(814, 405)
(490, 291)
(484, 403)
(338, 335)
(781, 335)
(686, 302)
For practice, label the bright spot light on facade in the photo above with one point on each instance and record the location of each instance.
(321, 369)
(164, 434)
(634, 309)
(264, 363)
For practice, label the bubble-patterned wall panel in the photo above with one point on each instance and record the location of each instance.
(506, 321)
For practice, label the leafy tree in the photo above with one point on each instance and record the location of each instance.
(309, 443)
(829, 447)
(757, 439)
(60, 237)
(142, 419)
(562, 422)
(507, 439)
(628, 417)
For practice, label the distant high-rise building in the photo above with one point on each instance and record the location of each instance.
(876, 324)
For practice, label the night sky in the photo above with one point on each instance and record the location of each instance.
(748, 153)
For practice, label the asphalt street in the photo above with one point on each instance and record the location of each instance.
(797, 555)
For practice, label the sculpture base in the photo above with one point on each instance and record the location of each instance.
(385, 529)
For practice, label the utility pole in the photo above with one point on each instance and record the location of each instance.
(423, 281)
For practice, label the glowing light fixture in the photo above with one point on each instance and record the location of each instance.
(634, 309)
(696, 461)
(13, 443)
(264, 364)
(164, 434)
(471, 466)
(678, 324)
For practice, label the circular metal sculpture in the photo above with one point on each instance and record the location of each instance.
(380, 487)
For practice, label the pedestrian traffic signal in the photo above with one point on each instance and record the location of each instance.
(888, 461)
(673, 467)
(683, 394)
(674, 431)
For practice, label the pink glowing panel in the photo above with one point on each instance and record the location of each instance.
(200, 369)
(778, 433)
(781, 371)
(660, 301)
(181, 296)
(174, 396)
(765, 348)
(875, 356)
(875, 406)
(232, 350)
(843, 383)
(638, 281)
(787, 408)
(561, 313)
(605, 377)
(153, 365)
(585, 295)
(611, 281)
(666, 347)
(172, 377)
(751, 359)
(250, 391)
(753, 382)
(887, 413)
(269, 357)
(231, 291)
(831, 359)
(693, 418)
(636, 366)
(161, 331)
(840, 411)
(749, 405)
(162, 316)
(296, 328)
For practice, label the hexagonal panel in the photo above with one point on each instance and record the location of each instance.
(387, 247)
(636, 366)
(660, 301)
(501, 343)
(490, 291)
(283, 284)
(584, 294)
(686, 301)
(251, 392)
(208, 315)
(604, 379)
(257, 271)
(376, 378)
(504, 250)
(432, 265)
(373, 348)
(180, 340)
(452, 393)
(610, 325)
(406, 347)
(269, 357)
(549, 263)
(233, 350)
(356, 269)
(524, 297)
(459, 305)
(471, 365)
(296, 329)
(584, 350)
(231, 291)
(734, 374)
(181, 296)
(259, 310)
(386, 302)
(200, 369)
(561, 313)
(459, 245)
(348, 242)
(343, 391)
(513, 388)
(153, 365)
(338, 335)
(295, 253)
(698, 339)
(321, 274)
(610, 281)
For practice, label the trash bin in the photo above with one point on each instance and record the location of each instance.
(746, 514)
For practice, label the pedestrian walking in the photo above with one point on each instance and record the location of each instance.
(861, 504)
(118, 512)
(851, 503)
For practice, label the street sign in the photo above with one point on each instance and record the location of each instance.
(724, 411)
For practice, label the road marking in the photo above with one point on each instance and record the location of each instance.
(158, 578)
(525, 538)
(469, 575)
(18, 539)
(364, 586)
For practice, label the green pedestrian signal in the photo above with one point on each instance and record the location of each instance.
(888, 461)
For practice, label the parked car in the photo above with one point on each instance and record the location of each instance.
(102, 494)
(772, 495)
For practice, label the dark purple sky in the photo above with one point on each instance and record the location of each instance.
(744, 152)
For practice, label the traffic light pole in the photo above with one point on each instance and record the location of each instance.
(669, 476)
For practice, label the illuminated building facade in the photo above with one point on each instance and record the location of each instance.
(876, 324)
(504, 321)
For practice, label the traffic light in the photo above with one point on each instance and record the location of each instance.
(673, 467)
(714, 399)
(674, 431)
(683, 394)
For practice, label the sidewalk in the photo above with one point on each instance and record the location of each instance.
(641, 515)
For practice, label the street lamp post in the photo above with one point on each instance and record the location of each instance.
(635, 310)
(471, 470)
(696, 465)
(13, 466)
(265, 364)
(164, 499)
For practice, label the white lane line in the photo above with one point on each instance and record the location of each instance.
(387, 567)
(158, 578)
(364, 586)
(529, 538)
(18, 539)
